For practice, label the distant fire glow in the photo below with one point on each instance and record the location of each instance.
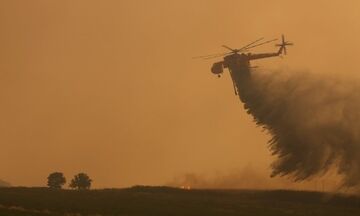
(185, 187)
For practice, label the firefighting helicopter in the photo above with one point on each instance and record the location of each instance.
(237, 61)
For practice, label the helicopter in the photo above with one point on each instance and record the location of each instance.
(237, 61)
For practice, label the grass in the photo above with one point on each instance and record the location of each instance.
(171, 201)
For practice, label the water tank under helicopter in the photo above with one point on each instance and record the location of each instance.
(217, 68)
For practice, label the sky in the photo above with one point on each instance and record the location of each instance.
(110, 87)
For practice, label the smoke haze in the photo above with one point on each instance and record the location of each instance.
(313, 121)
(109, 87)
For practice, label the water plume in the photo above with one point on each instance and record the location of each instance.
(313, 121)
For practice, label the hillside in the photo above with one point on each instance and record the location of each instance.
(171, 201)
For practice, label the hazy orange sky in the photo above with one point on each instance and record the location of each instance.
(109, 87)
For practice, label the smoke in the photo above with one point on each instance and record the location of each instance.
(244, 178)
(4, 184)
(313, 119)
(250, 177)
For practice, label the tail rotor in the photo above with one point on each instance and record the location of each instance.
(283, 45)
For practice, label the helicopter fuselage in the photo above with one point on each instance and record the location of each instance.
(239, 61)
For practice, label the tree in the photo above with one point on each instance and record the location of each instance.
(81, 181)
(56, 180)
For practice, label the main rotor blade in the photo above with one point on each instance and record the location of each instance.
(228, 48)
(224, 54)
(261, 44)
(244, 47)
(206, 56)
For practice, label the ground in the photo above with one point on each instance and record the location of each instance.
(159, 201)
